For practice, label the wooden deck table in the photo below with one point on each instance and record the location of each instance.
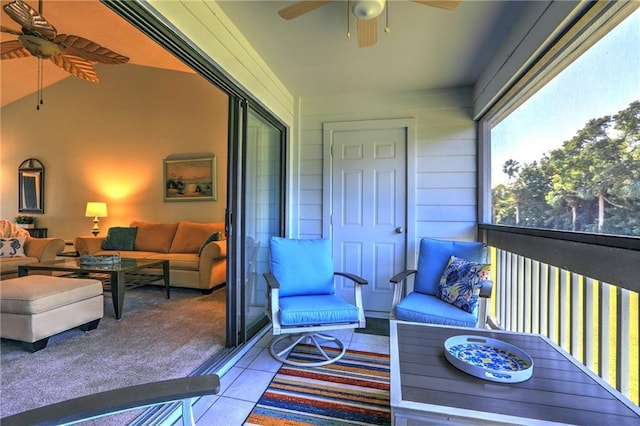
(427, 389)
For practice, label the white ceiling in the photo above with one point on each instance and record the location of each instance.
(427, 47)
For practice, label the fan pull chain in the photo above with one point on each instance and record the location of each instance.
(348, 20)
(40, 68)
(40, 84)
(386, 9)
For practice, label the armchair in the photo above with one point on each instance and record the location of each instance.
(301, 301)
(425, 303)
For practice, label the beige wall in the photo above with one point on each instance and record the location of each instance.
(106, 142)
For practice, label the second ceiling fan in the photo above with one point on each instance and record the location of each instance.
(365, 11)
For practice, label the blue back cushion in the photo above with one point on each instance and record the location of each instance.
(434, 256)
(302, 267)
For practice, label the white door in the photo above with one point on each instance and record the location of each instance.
(368, 206)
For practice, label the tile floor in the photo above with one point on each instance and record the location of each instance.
(243, 384)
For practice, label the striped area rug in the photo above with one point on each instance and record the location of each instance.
(352, 391)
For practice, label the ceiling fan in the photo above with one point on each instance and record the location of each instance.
(366, 12)
(39, 38)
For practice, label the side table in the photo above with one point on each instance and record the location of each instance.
(37, 232)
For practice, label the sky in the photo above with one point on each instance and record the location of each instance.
(603, 81)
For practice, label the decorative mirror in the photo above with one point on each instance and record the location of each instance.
(31, 186)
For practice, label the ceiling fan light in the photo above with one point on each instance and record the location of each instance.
(367, 9)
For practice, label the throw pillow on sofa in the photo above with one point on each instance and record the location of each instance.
(12, 247)
(216, 236)
(120, 238)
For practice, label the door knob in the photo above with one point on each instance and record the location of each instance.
(399, 230)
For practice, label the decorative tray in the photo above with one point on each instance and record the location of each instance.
(488, 359)
(100, 259)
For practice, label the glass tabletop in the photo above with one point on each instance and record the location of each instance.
(74, 264)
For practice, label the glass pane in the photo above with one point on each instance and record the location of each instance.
(568, 158)
(263, 169)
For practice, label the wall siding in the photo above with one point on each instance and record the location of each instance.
(445, 180)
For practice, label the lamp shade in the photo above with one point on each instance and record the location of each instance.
(95, 209)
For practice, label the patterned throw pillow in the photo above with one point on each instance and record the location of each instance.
(461, 283)
(12, 247)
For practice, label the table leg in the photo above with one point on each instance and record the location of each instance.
(165, 273)
(117, 292)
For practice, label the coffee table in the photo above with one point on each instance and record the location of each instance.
(117, 277)
(427, 388)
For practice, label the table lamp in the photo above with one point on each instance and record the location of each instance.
(96, 210)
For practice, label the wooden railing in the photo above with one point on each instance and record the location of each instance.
(596, 322)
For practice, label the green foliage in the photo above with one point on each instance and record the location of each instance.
(591, 183)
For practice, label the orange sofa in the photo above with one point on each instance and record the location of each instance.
(191, 264)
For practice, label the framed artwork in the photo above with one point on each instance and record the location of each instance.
(190, 179)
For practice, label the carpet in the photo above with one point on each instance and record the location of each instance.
(354, 390)
(376, 326)
(155, 339)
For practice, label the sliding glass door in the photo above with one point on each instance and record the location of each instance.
(255, 214)
(262, 211)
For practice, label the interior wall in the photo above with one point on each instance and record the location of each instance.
(106, 142)
(206, 26)
(445, 180)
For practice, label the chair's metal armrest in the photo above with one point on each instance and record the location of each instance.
(113, 401)
(402, 276)
(487, 288)
(352, 277)
(272, 282)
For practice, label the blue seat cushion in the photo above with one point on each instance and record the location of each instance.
(424, 308)
(302, 267)
(316, 310)
(434, 257)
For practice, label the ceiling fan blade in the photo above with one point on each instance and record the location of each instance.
(84, 48)
(76, 66)
(31, 21)
(442, 4)
(13, 49)
(367, 32)
(301, 7)
(10, 31)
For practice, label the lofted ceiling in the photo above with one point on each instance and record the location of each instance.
(427, 48)
(86, 18)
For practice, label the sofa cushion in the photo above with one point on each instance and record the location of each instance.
(184, 261)
(190, 235)
(12, 247)
(9, 265)
(155, 237)
(120, 238)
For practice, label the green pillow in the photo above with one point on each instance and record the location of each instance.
(120, 238)
(216, 236)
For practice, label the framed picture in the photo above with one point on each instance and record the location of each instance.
(190, 179)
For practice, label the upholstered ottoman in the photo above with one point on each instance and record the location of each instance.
(35, 307)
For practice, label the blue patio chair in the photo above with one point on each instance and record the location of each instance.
(301, 303)
(445, 289)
